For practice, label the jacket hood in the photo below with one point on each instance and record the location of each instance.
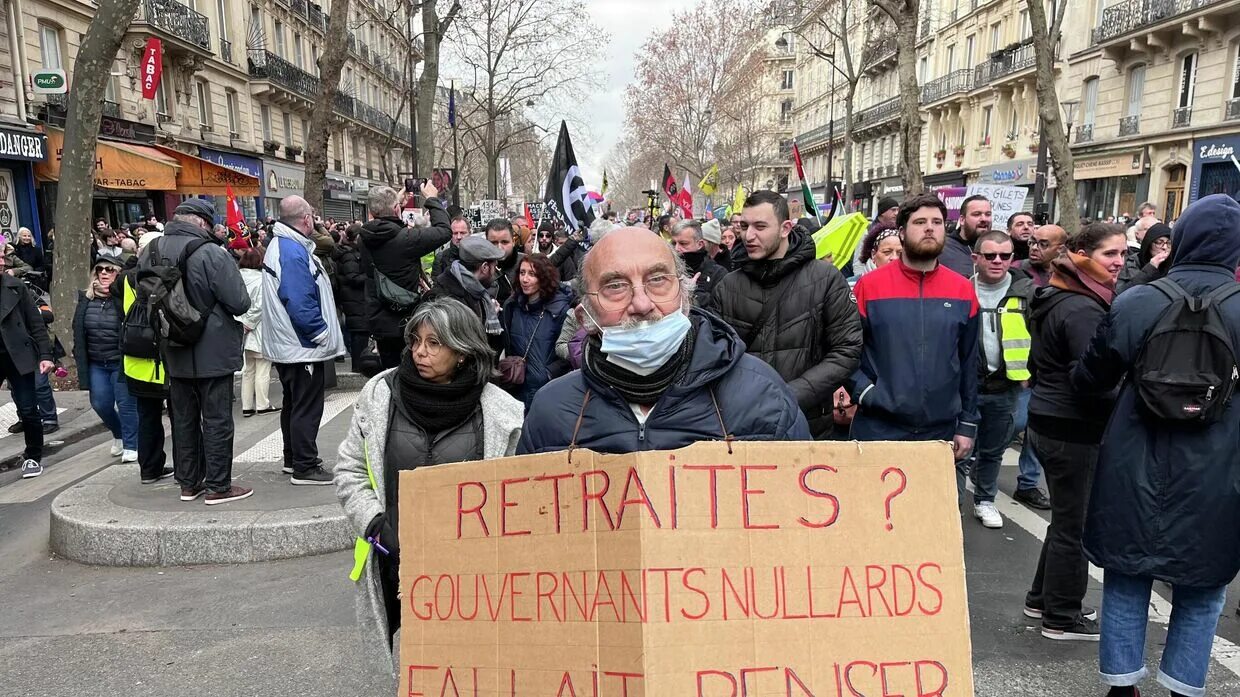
(1208, 233)
(1021, 285)
(1156, 232)
(177, 228)
(288, 233)
(382, 229)
(768, 272)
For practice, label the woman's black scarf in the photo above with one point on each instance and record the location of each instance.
(436, 407)
(634, 388)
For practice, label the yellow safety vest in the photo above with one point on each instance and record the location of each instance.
(1014, 338)
(361, 548)
(140, 369)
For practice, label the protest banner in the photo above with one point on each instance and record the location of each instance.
(952, 197)
(1004, 201)
(717, 570)
(490, 209)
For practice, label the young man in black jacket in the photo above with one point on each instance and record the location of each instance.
(391, 248)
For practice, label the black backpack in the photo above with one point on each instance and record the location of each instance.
(1186, 371)
(161, 311)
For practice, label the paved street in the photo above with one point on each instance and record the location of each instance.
(287, 627)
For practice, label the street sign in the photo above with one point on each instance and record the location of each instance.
(50, 82)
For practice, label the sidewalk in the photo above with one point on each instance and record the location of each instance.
(110, 519)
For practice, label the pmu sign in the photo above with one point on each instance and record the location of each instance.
(49, 82)
(152, 67)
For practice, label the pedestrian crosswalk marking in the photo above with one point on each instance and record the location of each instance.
(271, 448)
(59, 474)
(8, 417)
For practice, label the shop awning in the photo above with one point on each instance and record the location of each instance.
(199, 177)
(117, 165)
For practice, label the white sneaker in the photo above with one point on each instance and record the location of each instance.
(118, 447)
(31, 468)
(988, 514)
(129, 456)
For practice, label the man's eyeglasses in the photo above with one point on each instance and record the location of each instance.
(991, 256)
(617, 295)
(1042, 244)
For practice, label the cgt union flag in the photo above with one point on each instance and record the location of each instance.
(565, 195)
(238, 233)
(678, 196)
(152, 67)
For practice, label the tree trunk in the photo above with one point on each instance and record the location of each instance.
(331, 62)
(910, 98)
(91, 72)
(428, 84)
(847, 176)
(1044, 49)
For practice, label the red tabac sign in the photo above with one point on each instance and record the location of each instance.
(152, 67)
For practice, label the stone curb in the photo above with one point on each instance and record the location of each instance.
(87, 527)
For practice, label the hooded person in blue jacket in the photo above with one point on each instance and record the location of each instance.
(656, 373)
(1165, 502)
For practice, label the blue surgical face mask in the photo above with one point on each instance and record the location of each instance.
(646, 347)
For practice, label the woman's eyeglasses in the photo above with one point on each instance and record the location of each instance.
(105, 269)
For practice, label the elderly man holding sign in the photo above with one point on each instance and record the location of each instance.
(656, 374)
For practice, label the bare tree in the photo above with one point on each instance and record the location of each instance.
(904, 14)
(1046, 45)
(523, 54)
(433, 30)
(331, 62)
(690, 79)
(91, 70)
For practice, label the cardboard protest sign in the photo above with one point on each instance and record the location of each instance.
(491, 209)
(1004, 201)
(794, 569)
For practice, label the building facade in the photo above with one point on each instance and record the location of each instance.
(232, 109)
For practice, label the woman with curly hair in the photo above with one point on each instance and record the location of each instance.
(533, 317)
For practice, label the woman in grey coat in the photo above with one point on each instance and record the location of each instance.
(437, 407)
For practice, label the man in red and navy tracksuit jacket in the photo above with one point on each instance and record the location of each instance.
(918, 375)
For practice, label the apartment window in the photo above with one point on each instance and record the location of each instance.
(354, 151)
(994, 36)
(264, 114)
(786, 82)
(234, 113)
(161, 96)
(256, 21)
(277, 30)
(288, 128)
(298, 59)
(1136, 89)
(221, 18)
(1026, 28)
(1089, 101)
(785, 111)
(314, 58)
(49, 47)
(968, 52)
(921, 70)
(109, 90)
(1235, 75)
(203, 95)
(1014, 124)
(986, 114)
(1188, 79)
(305, 131)
(951, 58)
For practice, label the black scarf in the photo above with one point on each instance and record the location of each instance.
(694, 260)
(436, 407)
(634, 388)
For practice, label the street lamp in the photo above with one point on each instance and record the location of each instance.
(1069, 107)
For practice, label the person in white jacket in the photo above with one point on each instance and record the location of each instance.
(256, 374)
(301, 331)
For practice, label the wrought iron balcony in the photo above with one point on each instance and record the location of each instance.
(318, 20)
(363, 50)
(1233, 110)
(344, 104)
(59, 101)
(179, 21)
(266, 65)
(878, 50)
(226, 50)
(925, 27)
(298, 7)
(1085, 133)
(1129, 126)
(955, 82)
(822, 133)
(1010, 61)
(111, 109)
(1132, 15)
(1182, 117)
(879, 113)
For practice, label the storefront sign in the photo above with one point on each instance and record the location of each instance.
(49, 82)
(251, 166)
(788, 568)
(152, 67)
(22, 145)
(1014, 173)
(1213, 161)
(120, 129)
(281, 180)
(891, 186)
(1126, 164)
(338, 189)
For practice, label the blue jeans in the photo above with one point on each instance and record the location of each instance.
(1185, 659)
(1030, 468)
(47, 402)
(110, 398)
(994, 433)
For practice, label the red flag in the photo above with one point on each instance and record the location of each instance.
(679, 197)
(152, 67)
(529, 219)
(238, 233)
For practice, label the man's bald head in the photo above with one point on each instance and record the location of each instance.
(627, 242)
(634, 256)
(296, 213)
(1055, 233)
